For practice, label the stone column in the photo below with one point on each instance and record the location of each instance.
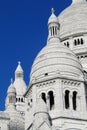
(78, 103)
(48, 102)
(70, 102)
(71, 42)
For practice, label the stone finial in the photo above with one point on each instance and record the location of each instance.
(11, 80)
(52, 10)
(19, 63)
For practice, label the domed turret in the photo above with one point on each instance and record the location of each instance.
(20, 87)
(55, 59)
(19, 71)
(52, 18)
(16, 120)
(11, 88)
(73, 20)
(11, 97)
(53, 27)
(19, 81)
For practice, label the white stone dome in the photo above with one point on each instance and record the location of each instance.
(73, 20)
(53, 60)
(19, 82)
(52, 18)
(11, 88)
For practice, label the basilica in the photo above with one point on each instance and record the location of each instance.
(56, 98)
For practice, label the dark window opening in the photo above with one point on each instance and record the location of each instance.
(46, 74)
(66, 99)
(78, 42)
(81, 56)
(53, 31)
(21, 99)
(81, 41)
(51, 100)
(67, 44)
(74, 100)
(75, 42)
(44, 97)
(85, 55)
(16, 99)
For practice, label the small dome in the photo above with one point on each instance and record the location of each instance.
(19, 71)
(11, 88)
(73, 20)
(19, 83)
(53, 18)
(41, 106)
(53, 60)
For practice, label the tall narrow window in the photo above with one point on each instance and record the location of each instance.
(51, 100)
(81, 41)
(66, 99)
(53, 31)
(21, 99)
(67, 44)
(44, 97)
(74, 100)
(75, 42)
(78, 42)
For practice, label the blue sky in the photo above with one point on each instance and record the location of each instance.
(23, 32)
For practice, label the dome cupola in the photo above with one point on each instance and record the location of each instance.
(52, 18)
(11, 97)
(20, 87)
(73, 20)
(11, 88)
(19, 71)
(19, 83)
(53, 28)
(54, 60)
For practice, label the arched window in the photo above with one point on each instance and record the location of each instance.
(51, 99)
(64, 43)
(43, 95)
(74, 100)
(53, 31)
(16, 99)
(67, 44)
(78, 42)
(75, 42)
(67, 99)
(81, 41)
(21, 99)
